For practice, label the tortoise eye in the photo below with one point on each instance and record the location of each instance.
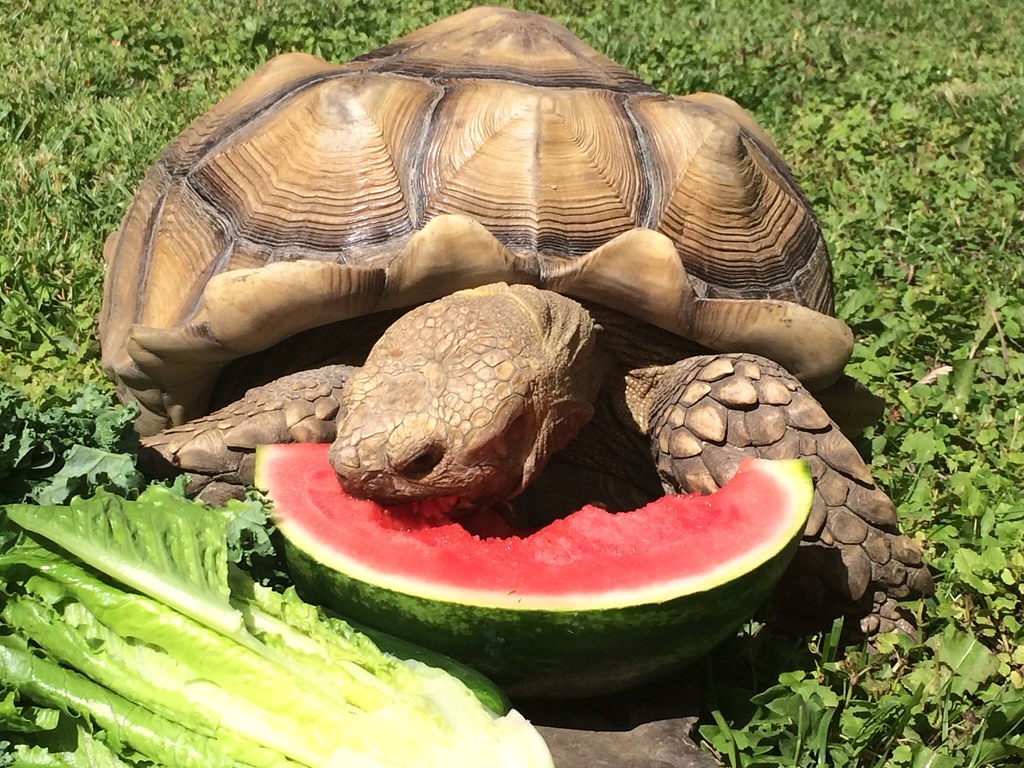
(421, 463)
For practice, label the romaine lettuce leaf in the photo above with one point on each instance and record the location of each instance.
(136, 623)
(81, 750)
(123, 721)
(162, 545)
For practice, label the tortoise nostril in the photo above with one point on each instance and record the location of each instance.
(419, 463)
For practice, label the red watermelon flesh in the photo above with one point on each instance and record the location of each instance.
(678, 544)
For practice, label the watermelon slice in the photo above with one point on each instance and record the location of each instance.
(591, 603)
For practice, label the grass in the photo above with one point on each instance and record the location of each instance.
(904, 122)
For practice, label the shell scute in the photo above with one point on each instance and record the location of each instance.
(327, 173)
(577, 186)
(191, 242)
(490, 146)
(742, 226)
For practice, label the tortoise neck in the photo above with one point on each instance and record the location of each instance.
(640, 352)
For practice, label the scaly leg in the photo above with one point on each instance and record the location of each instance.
(216, 452)
(708, 412)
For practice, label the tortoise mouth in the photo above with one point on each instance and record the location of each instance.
(483, 520)
(558, 491)
(487, 486)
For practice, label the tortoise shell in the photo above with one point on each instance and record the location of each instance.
(492, 145)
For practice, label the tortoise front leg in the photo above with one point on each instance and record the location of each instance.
(217, 452)
(708, 412)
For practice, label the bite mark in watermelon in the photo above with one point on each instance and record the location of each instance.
(591, 603)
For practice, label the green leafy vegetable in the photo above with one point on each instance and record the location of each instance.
(63, 445)
(86, 468)
(253, 541)
(146, 633)
(65, 745)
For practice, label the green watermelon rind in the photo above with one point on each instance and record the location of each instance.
(561, 651)
(545, 653)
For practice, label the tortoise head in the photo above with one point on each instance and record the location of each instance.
(467, 397)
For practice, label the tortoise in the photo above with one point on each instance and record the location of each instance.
(295, 263)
